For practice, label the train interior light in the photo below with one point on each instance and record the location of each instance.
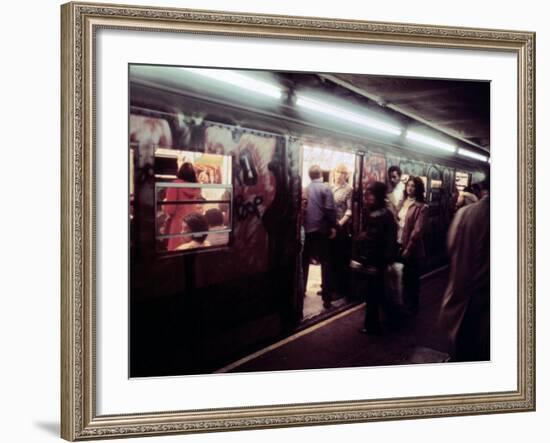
(430, 141)
(471, 154)
(344, 114)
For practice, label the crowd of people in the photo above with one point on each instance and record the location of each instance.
(389, 248)
(390, 245)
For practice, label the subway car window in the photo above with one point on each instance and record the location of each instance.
(425, 181)
(435, 185)
(461, 180)
(374, 169)
(435, 191)
(193, 194)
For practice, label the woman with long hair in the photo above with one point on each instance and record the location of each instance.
(412, 217)
(340, 247)
(377, 249)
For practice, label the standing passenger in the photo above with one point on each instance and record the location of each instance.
(465, 311)
(377, 249)
(319, 223)
(341, 246)
(396, 188)
(413, 215)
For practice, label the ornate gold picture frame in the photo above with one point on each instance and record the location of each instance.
(79, 397)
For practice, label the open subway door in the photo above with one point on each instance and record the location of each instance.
(325, 261)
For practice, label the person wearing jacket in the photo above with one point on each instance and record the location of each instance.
(377, 249)
(320, 228)
(464, 318)
(412, 216)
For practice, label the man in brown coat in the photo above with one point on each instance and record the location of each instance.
(465, 311)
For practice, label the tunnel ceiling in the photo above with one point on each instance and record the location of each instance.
(460, 108)
(457, 107)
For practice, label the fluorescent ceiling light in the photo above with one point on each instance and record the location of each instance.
(471, 154)
(344, 114)
(240, 80)
(433, 142)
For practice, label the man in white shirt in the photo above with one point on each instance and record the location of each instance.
(396, 188)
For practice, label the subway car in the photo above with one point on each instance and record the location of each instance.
(196, 306)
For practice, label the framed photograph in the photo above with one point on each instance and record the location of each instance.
(277, 221)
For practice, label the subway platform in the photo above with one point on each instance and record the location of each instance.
(337, 343)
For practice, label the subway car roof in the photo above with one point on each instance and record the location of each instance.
(445, 119)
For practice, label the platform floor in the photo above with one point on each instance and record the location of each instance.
(313, 302)
(337, 343)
